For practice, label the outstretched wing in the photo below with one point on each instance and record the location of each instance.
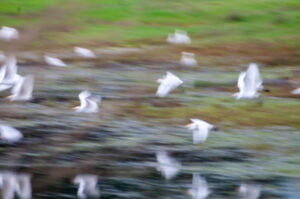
(27, 86)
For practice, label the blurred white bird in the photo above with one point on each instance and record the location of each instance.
(167, 83)
(166, 165)
(200, 130)
(9, 134)
(199, 188)
(53, 61)
(83, 52)
(249, 83)
(179, 37)
(8, 33)
(22, 91)
(87, 186)
(15, 184)
(296, 91)
(188, 59)
(249, 191)
(87, 104)
(8, 73)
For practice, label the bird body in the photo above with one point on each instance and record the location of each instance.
(179, 37)
(87, 105)
(199, 188)
(249, 191)
(10, 134)
(8, 33)
(87, 186)
(249, 83)
(200, 130)
(53, 61)
(188, 59)
(83, 52)
(168, 83)
(166, 165)
(22, 91)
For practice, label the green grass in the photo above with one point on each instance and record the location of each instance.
(133, 21)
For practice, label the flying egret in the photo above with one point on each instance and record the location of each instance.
(188, 59)
(200, 130)
(53, 61)
(9, 134)
(83, 52)
(8, 33)
(87, 186)
(87, 104)
(249, 83)
(167, 83)
(179, 37)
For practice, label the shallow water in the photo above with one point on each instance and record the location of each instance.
(119, 143)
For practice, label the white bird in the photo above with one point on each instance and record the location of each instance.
(296, 91)
(87, 104)
(12, 184)
(8, 73)
(167, 83)
(8, 33)
(188, 59)
(83, 52)
(179, 37)
(249, 83)
(10, 134)
(53, 61)
(199, 188)
(22, 91)
(249, 191)
(200, 130)
(168, 166)
(87, 186)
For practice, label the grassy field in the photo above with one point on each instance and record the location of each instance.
(136, 22)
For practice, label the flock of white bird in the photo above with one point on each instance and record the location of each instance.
(249, 84)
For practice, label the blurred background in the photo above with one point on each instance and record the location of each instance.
(257, 142)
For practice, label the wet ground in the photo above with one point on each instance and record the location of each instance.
(257, 142)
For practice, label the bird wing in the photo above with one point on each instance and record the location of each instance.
(91, 106)
(27, 86)
(11, 68)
